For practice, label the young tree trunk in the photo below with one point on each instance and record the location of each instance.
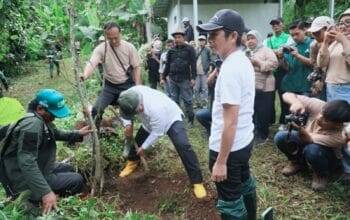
(97, 170)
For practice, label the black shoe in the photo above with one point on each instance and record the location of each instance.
(259, 141)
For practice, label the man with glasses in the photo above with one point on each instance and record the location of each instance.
(231, 137)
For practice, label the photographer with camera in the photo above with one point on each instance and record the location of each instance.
(316, 141)
(318, 29)
(295, 60)
(264, 62)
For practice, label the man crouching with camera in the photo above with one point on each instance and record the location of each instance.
(317, 142)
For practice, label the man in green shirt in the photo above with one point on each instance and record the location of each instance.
(279, 39)
(297, 61)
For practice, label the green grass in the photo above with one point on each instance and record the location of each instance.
(291, 198)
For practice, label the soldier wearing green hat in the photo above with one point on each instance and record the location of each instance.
(28, 153)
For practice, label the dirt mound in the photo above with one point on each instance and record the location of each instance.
(167, 197)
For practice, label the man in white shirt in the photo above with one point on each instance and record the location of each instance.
(231, 137)
(159, 115)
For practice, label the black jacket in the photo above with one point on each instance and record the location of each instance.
(153, 66)
(189, 36)
(181, 63)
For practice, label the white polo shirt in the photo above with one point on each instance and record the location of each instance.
(159, 113)
(235, 85)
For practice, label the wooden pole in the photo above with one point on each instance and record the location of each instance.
(97, 170)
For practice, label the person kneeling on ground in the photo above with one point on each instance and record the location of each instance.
(28, 153)
(319, 143)
(159, 115)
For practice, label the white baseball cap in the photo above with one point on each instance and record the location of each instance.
(186, 19)
(319, 23)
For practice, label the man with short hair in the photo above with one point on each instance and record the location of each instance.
(121, 65)
(232, 129)
(189, 36)
(319, 143)
(182, 72)
(159, 115)
(28, 153)
(296, 61)
(275, 42)
(203, 61)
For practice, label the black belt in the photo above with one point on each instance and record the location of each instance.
(127, 82)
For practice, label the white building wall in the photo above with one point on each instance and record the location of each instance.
(173, 19)
(256, 15)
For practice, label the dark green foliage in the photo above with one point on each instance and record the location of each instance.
(28, 27)
(303, 9)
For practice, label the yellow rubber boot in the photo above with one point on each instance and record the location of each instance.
(129, 168)
(199, 191)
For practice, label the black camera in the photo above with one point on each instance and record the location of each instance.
(298, 119)
(218, 63)
(315, 75)
(248, 53)
(287, 49)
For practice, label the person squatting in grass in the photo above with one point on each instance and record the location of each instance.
(159, 115)
(318, 144)
(232, 129)
(28, 154)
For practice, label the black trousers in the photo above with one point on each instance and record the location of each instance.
(178, 136)
(153, 79)
(237, 173)
(65, 181)
(108, 96)
(263, 112)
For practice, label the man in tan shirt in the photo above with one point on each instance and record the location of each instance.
(121, 64)
(319, 143)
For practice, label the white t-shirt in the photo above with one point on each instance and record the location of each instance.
(235, 85)
(160, 112)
